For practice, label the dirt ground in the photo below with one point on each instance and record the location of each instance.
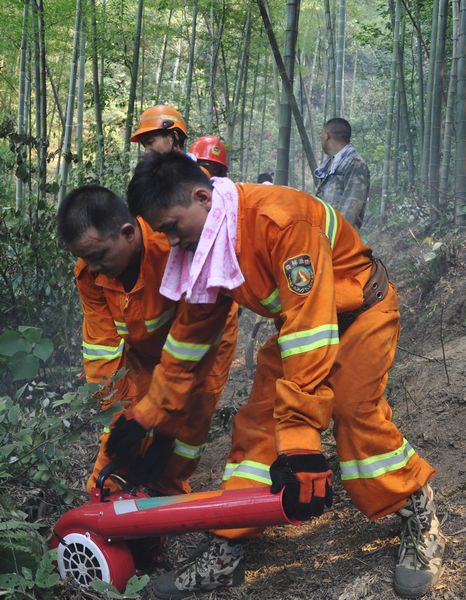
(342, 555)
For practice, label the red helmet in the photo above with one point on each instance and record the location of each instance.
(210, 147)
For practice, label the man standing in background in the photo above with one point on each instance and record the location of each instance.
(344, 177)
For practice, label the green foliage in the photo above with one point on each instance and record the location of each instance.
(37, 284)
(26, 567)
(32, 433)
(25, 564)
(20, 542)
(37, 426)
(31, 583)
(23, 351)
(134, 585)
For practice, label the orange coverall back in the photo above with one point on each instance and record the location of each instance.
(129, 330)
(303, 265)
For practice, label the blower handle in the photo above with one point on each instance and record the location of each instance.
(110, 471)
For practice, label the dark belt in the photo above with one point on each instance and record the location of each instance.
(374, 291)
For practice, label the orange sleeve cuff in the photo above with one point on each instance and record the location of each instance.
(298, 436)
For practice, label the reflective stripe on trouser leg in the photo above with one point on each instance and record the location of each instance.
(380, 469)
(253, 440)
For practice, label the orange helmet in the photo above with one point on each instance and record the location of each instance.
(161, 116)
(210, 147)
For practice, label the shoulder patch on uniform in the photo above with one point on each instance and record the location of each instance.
(299, 273)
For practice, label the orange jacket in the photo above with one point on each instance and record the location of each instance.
(117, 323)
(130, 329)
(302, 263)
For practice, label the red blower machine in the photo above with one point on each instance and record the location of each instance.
(93, 541)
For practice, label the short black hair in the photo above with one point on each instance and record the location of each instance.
(91, 206)
(163, 181)
(265, 177)
(339, 129)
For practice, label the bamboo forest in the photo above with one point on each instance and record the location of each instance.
(304, 409)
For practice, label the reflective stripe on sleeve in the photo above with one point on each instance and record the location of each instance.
(154, 324)
(310, 339)
(98, 352)
(331, 222)
(149, 434)
(186, 350)
(375, 466)
(188, 450)
(121, 327)
(272, 302)
(248, 469)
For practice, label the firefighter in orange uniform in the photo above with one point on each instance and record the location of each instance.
(127, 323)
(290, 256)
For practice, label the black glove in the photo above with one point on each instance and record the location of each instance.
(125, 437)
(150, 467)
(307, 481)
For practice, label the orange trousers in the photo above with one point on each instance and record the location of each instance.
(193, 427)
(379, 467)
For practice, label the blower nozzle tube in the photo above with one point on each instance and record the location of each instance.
(144, 517)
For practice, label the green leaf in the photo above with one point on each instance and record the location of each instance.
(23, 366)
(89, 389)
(46, 576)
(104, 417)
(67, 399)
(43, 349)
(25, 437)
(27, 574)
(7, 449)
(136, 584)
(32, 334)
(12, 342)
(119, 374)
(101, 586)
(20, 392)
(10, 581)
(14, 414)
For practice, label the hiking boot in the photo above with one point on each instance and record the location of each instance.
(421, 546)
(218, 563)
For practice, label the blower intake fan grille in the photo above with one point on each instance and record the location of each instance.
(82, 559)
